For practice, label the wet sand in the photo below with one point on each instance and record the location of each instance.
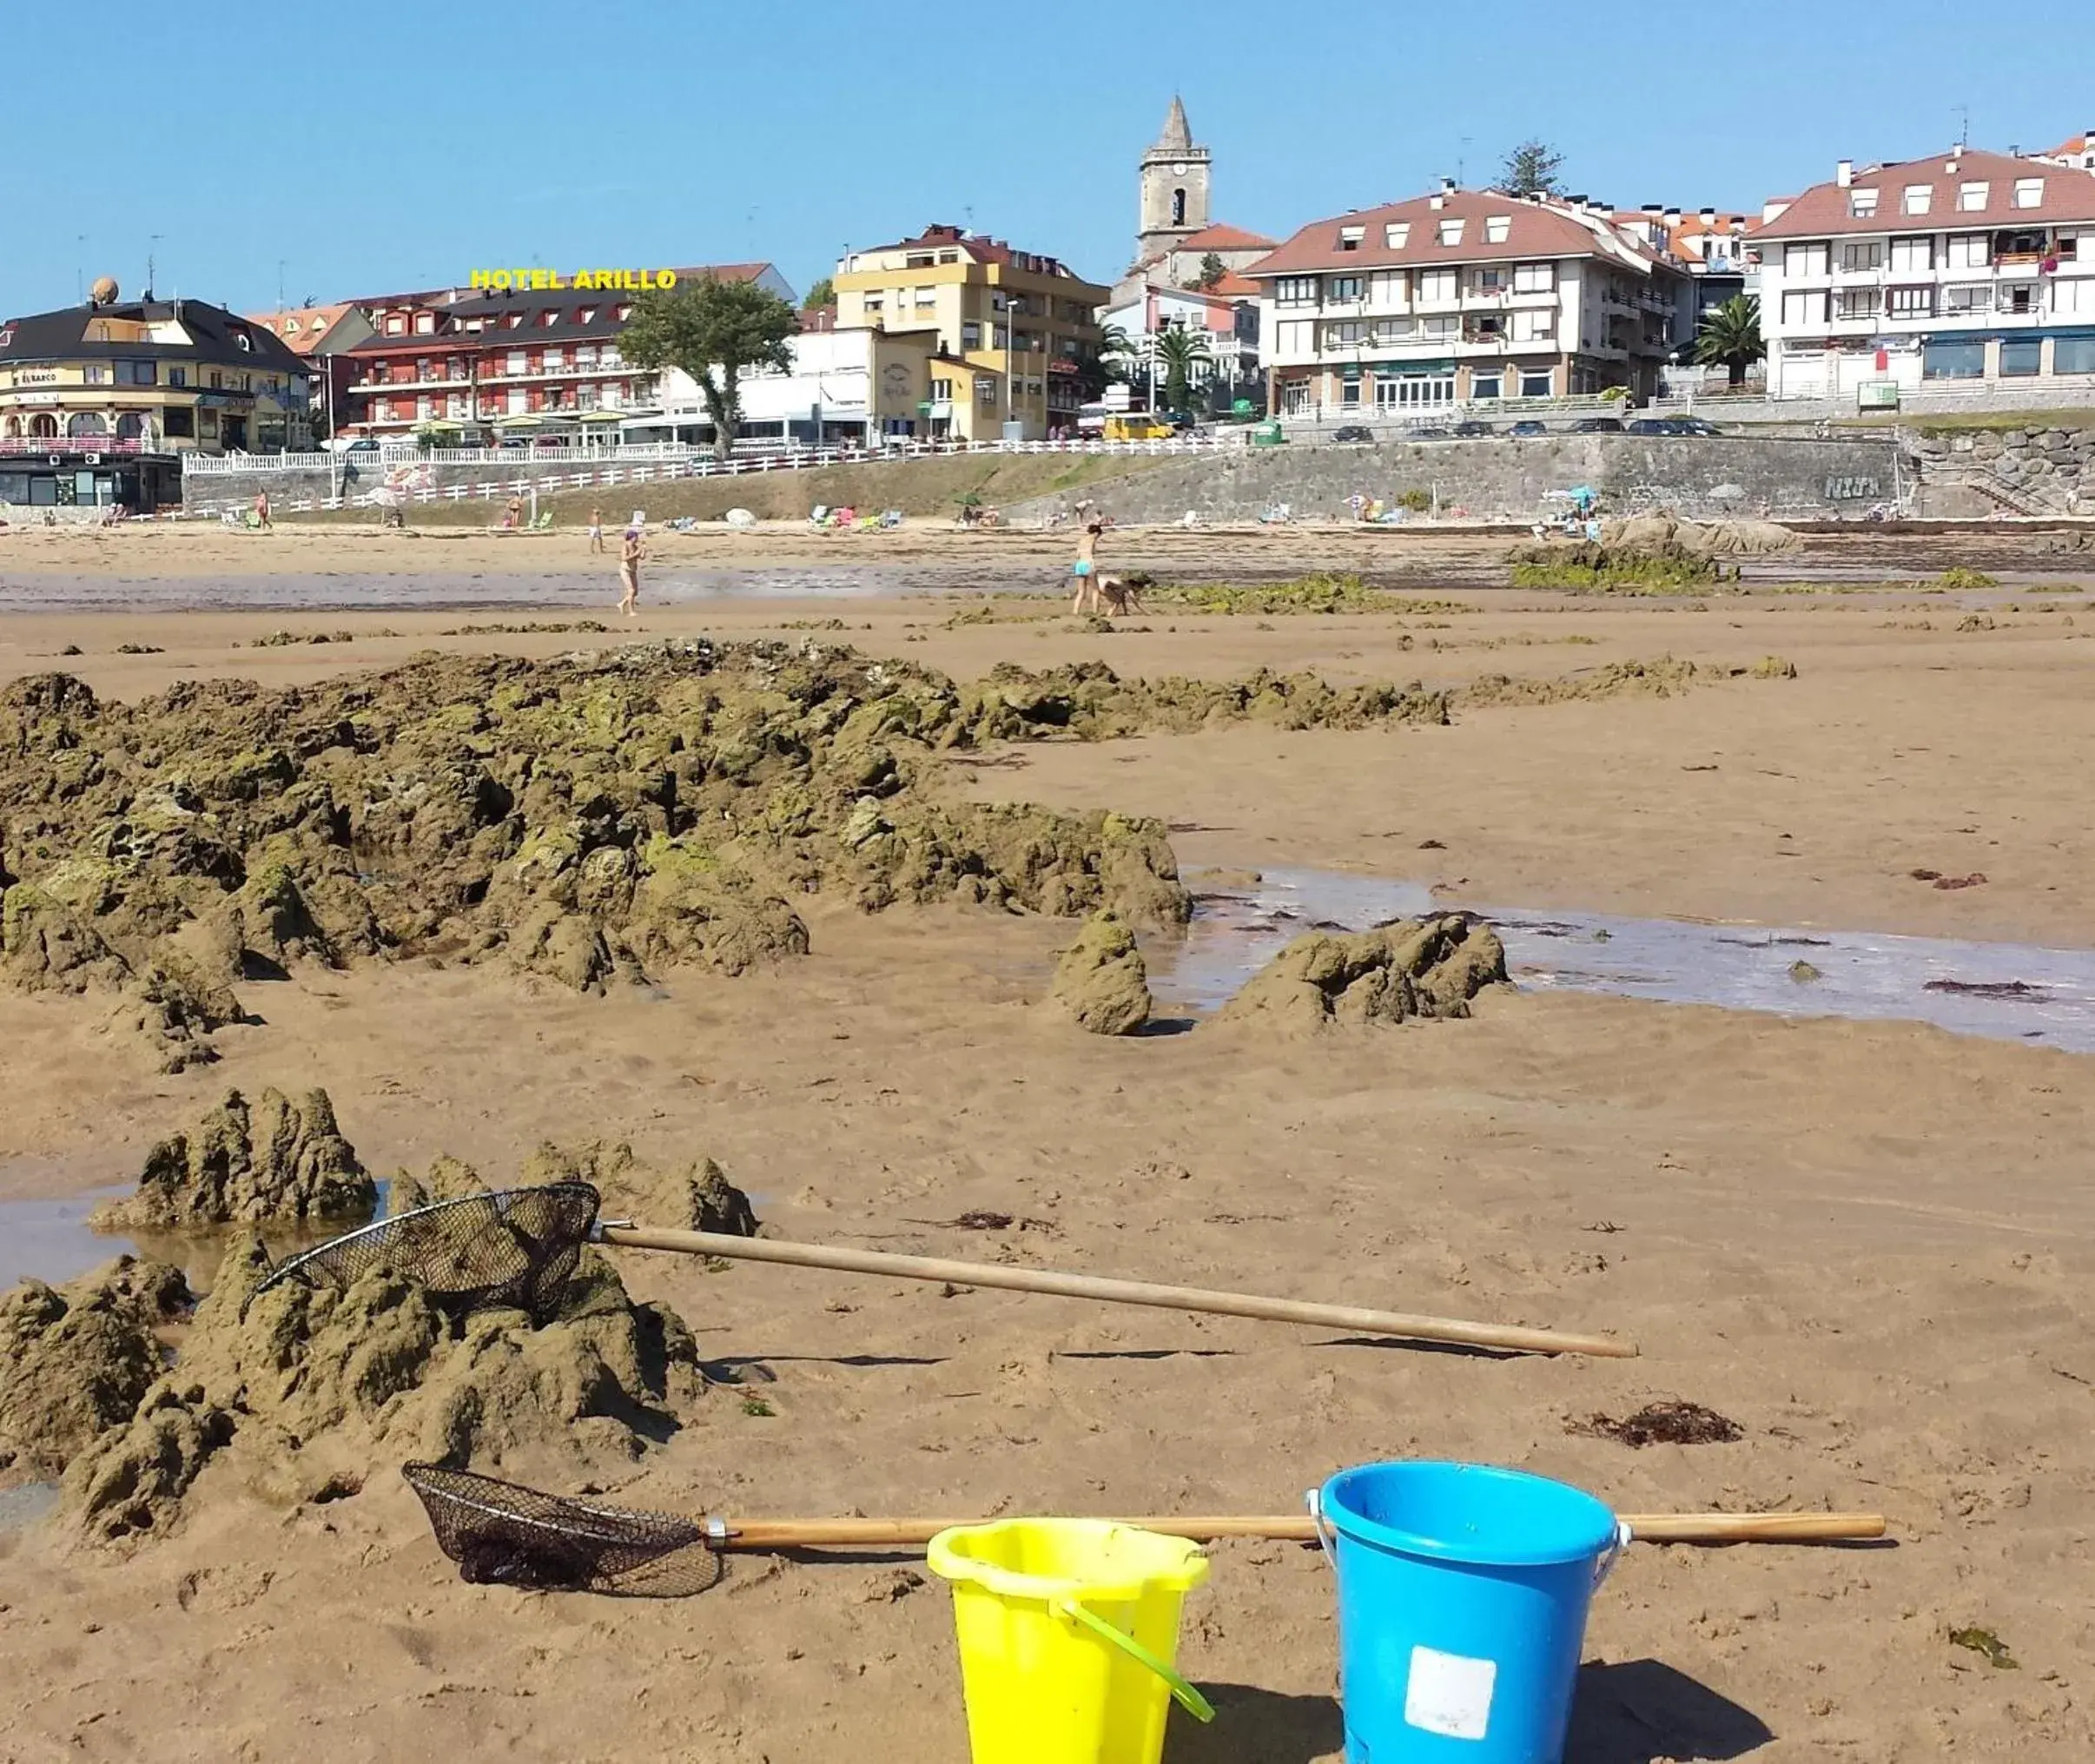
(1870, 1243)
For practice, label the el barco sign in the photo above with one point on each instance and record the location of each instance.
(634, 281)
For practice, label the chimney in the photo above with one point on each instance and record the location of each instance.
(1579, 200)
(1438, 199)
(1709, 217)
(1447, 186)
(1844, 173)
(1654, 207)
(2014, 152)
(1672, 218)
(1773, 208)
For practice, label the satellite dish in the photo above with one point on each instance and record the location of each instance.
(105, 291)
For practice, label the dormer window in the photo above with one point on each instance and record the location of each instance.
(1450, 232)
(1350, 238)
(1861, 204)
(624, 314)
(290, 327)
(316, 327)
(1497, 229)
(241, 340)
(1971, 198)
(589, 314)
(396, 325)
(550, 316)
(425, 324)
(1396, 235)
(1917, 199)
(2029, 193)
(511, 321)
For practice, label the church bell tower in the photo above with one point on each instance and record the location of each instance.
(1175, 187)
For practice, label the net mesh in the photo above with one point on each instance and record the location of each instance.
(503, 1534)
(516, 1247)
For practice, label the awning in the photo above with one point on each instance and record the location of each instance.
(520, 420)
(601, 416)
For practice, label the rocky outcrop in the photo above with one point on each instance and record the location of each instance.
(1431, 967)
(278, 1157)
(1101, 981)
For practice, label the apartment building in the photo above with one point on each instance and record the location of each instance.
(321, 337)
(1468, 296)
(1967, 266)
(1225, 319)
(2077, 150)
(1009, 330)
(98, 402)
(464, 363)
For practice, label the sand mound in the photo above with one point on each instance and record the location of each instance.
(76, 1359)
(1101, 980)
(278, 1157)
(603, 814)
(1413, 968)
(696, 1198)
(1662, 678)
(1089, 700)
(300, 1398)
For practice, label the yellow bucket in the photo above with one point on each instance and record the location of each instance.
(1067, 1631)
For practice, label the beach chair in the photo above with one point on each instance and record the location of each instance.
(545, 522)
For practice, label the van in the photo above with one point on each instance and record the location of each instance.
(1137, 426)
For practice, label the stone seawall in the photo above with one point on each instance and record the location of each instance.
(1975, 473)
(360, 474)
(1503, 479)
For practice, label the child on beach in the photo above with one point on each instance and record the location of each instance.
(629, 574)
(595, 529)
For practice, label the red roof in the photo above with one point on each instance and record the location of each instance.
(1223, 237)
(1533, 229)
(2067, 194)
(979, 245)
(303, 328)
(818, 318)
(2078, 144)
(1236, 287)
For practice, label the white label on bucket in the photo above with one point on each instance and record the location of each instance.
(1449, 1694)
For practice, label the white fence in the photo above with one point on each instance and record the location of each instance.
(656, 463)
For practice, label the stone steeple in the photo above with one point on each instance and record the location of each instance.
(1174, 186)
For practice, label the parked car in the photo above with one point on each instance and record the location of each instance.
(1527, 428)
(1354, 434)
(1136, 425)
(1470, 431)
(1654, 426)
(1695, 425)
(1597, 425)
(1430, 434)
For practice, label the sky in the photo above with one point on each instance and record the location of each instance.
(325, 151)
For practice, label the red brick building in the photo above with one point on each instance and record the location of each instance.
(469, 363)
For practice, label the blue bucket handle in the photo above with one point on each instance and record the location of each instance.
(1188, 1699)
(1313, 1499)
(1603, 1564)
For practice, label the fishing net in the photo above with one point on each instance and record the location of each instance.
(503, 1534)
(514, 1247)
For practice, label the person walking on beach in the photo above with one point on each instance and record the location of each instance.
(595, 529)
(629, 574)
(516, 513)
(1085, 569)
(262, 510)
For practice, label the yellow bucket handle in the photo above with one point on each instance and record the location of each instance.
(1188, 1699)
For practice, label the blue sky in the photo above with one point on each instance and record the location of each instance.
(364, 156)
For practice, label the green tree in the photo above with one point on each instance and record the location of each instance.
(824, 294)
(1731, 335)
(1117, 355)
(1212, 269)
(1531, 170)
(1180, 351)
(714, 331)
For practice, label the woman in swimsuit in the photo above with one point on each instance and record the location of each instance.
(629, 574)
(1085, 569)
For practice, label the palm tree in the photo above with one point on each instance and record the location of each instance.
(1731, 335)
(1117, 354)
(1180, 351)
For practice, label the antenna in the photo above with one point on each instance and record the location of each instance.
(1964, 128)
(151, 247)
(1462, 157)
(79, 271)
(280, 284)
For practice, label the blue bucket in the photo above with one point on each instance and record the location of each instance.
(1462, 1608)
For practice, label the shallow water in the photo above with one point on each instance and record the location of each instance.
(2046, 996)
(21, 1506)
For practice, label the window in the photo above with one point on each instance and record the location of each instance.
(1345, 334)
(873, 303)
(208, 421)
(1916, 199)
(2018, 297)
(137, 372)
(1396, 235)
(926, 296)
(1967, 298)
(176, 420)
(1958, 359)
(1806, 260)
(2070, 295)
(1909, 303)
(1435, 285)
(971, 333)
(985, 390)
(623, 313)
(1861, 204)
(1296, 291)
(1862, 254)
(1350, 238)
(2029, 193)
(396, 325)
(93, 374)
(1292, 336)
(316, 327)
(556, 360)
(217, 379)
(515, 362)
(2073, 355)
(2020, 357)
(1488, 281)
(1487, 385)
(1971, 197)
(1534, 278)
(511, 321)
(585, 354)
(1856, 303)
(1535, 382)
(1969, 251)
(1914, 254)
(1343, 288)
(1802, 307)
(549, 316)
(948, 257)
(1387, 288)
(1533, 327)
(1450, 232)
(1497, 227)
(1440, 330)
(1349, 390)
(941, 391)
(178, 376)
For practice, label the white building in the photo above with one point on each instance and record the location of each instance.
(2079, 149)
(1471, 296)
(1225, 319)
(1964, 266)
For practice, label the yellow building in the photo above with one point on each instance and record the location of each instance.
(97, 402)
(1012, 330)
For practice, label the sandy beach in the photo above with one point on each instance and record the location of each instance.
(1868, 1244)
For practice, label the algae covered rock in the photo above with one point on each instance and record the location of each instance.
(699, 1196)
(1100, 980)
(278, 1157)
(1428, 967)
(75, 1360)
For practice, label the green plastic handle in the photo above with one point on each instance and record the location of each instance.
(1188, 1699)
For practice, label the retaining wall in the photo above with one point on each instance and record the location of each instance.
(1976, 472)
(1503, 479)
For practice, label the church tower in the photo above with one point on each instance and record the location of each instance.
(1175, 187)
